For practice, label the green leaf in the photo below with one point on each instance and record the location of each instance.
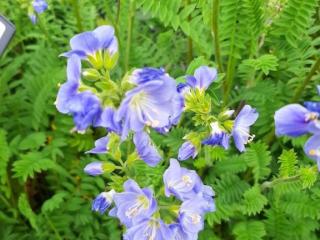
(258, 157)
(31, 163)
(54, 202)
(26, 211)
(33, 141)
(4, 156)
(249, 230)
(254, 201)
(308, 176)
(288, 161)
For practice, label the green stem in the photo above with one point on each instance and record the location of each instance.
(77, 14)
(118, 12)
(44, 28)
(215, 34)
(130, 27)
(271, 184)
(53, 227)
(190, 44)
(306, 81)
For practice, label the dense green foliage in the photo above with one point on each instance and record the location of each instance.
(267, 53)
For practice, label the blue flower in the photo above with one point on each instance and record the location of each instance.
(241, 127)
(146, 150)
(149, 229)
(218, 137)
(203, 77)
(181, 182)
(180, 234)
(207, 195)
(294, 120)
(101, 146)
(94, 168)
(191, 215)
(187, 150)
(103, 201)
(87, 44)
(134, 203)
(150, 103)
(85, 107)
(312, 106)
(39, 6)
(312, 148)
(108, 121)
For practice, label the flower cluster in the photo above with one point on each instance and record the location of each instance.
(138, 211)
(37, 7)
(146, 99)
(221, 127)
(294, 120)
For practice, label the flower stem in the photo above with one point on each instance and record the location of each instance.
(77, 14)
(271, 184)
(306, 81)
(215, 34)
(129, 36)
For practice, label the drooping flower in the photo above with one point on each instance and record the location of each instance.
(134, 203)
(39, 6)
(181, 182)
(180, 234)
(218, 137)
(294, 120)
(101, 146)
(149, 229)
(108, 121)
(84, 106)
(191, 215)
(150, 103)
(89, 45)
(186, 151)
(146, 150)
(312, 148)
(94, 168)
(203, 77)
(241, 127)
(103, 201)
(207, 195)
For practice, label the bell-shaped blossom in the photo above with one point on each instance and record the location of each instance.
(149, 229)
(207, 195)
(186, 151)
(85, 107)
(181, 182)
(218, 137)
(134, 203)
(203, 77)
(145, 148)
(39, 6)
(312, 148)
(191, 215)
(108, 121)
(180, 234)
(150, 103)
(101, 145)
(312, 106)
(241, 127)
(295, 120)
(103, 201)
(94, 168)
(87, 44)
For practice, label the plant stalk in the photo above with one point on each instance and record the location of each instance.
(77, 15)
(215, 33)
(129, 36)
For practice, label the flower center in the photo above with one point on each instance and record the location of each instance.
(311, 116)
(187, 180)
(315, 152)
(150, 232)
(140, 204)
(195, 218)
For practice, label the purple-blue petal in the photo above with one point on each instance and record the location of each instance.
(146, 150)
(186, 151)
(94, 168)
(101, 146)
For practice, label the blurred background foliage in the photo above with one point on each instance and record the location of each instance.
(267, 53)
